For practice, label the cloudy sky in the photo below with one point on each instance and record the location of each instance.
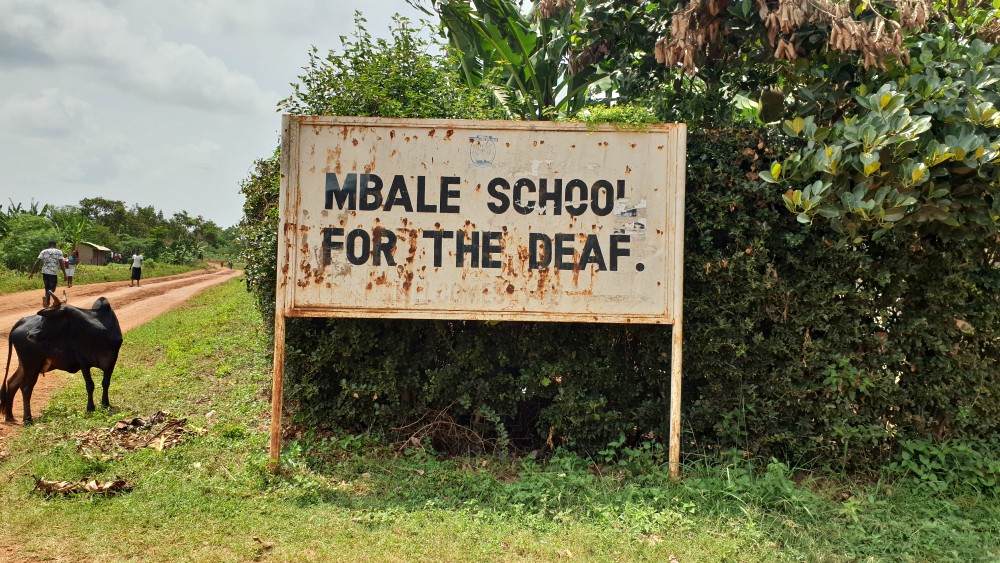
(155, 102)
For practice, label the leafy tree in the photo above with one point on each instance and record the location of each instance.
(107, 212)
(27, 235)
(378, 77)
(102, 235)
(258, 231)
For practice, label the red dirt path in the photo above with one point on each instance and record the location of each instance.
(134, 306)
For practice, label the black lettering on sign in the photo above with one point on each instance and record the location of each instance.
(491, 246)
(346, 193)
(447, 195)
(555, 196)
(355, 255)
(371, 192)
(422, 205)
(617, 251)
(398, 195)
(602, 198)
(564, 248)
(519, 200)
(461, 248)
(502, 203)
(540, 248)
(385, 245)
(329, 245)
(592, 254)
(438, 237)
(581, 208)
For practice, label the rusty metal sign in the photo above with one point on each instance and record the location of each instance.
(501, 220)
(497, 220)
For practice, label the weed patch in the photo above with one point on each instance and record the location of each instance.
(210, 496)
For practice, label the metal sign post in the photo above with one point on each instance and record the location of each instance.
(484, 220)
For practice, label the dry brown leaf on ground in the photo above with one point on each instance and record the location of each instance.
(129, 435)
(86, 486)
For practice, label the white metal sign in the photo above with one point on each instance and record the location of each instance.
(480, 219)
(501, 220)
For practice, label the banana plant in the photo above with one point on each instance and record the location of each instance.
(530, 54)
(73, 230)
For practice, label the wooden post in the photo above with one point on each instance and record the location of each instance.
(277, 390)
(283, 289)
(675, 399)
(677, 349)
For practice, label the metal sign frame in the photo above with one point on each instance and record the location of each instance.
(314, 146)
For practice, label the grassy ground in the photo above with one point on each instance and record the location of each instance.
(343, 497)
(13, 281)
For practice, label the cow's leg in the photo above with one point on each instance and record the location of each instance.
(90, 388)
(105, 383)
(27, 386)
(13, 384)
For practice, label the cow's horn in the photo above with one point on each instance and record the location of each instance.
(55, 299)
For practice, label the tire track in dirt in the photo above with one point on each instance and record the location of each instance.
(134, 306)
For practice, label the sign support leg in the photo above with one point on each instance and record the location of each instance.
(675, 400)
(277, 391)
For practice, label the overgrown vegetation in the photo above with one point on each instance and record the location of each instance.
(205, 494)
(837, 328)
(181, 239)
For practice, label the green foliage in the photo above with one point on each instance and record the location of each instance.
(803, 360)
(626, 116)
(376, 77)
(785, 356)
(258, 233)
(922, 150)
(27, 235)
(529, 52)
(181, 239)
(956, 465)
(210, 497)
(184, 251)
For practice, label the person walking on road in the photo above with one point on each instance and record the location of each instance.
(74, 259)
(51, 261)
(136, 268)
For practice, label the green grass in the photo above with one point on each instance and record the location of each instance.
(343, 497)
(12, 281)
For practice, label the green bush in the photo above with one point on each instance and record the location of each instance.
(797, 347)
(957, 465)
(27, 235)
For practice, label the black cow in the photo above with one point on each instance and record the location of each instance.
(61, 337)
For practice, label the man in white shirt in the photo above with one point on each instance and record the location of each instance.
(51, 261)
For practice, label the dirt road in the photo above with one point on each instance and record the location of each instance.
(133, 306)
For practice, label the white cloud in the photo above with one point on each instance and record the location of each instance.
(172, 161)
(92, 35)
(51, 112)
(289, 16)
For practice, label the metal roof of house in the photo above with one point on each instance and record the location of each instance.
(96, 246)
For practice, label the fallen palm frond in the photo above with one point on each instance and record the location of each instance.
(86, 486)
(160, 431)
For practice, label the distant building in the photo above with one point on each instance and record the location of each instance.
(94, 254)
